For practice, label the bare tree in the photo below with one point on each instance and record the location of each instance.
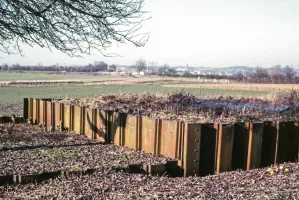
(112, 68)
(275, 74)
(171, 72)
(239, 76)
(288, 73)
(4, 66)
(140, 65)
(74, 27)
(162, 70)
(260, 75)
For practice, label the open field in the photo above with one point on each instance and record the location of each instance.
(4, 76)
(11, 98)
(58, 86)
(93, 77)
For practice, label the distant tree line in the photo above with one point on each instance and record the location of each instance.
(95, 67)
(274, 75)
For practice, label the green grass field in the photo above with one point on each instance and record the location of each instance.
(4, 76)
(11, 98)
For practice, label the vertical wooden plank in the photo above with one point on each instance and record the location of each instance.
(216, 127)
(288, 142)
(282, 143)
(101, 129)
(123, 119)
(57, 115)
(168, 139)
(191, 158)
(35, 111)
(109, 125)
(157, 138)
(49, 113)
(255, 145)
(77, 119)
(131, 132)
(225, 147)
(240, 146)
(30, 111)
(207, 149)
(270, 133)
(67, 116)
(148, 136)
(89, 125)
(62, 114)
(38, 102)
(26, 108)
(116, 128)
(41, 115)
(180, 141)
(139, 133)
(53, 115)
(180, 158)
(40, 112)
(293, 141)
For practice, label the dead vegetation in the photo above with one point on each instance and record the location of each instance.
(256, 184)
(23, 136)
(187, 107)
(240, 86)
(71, 158)
(26, 150)
(100, 81)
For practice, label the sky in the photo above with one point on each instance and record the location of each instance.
(209, 33)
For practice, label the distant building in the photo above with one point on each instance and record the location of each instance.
(121, 69)
(182, 69)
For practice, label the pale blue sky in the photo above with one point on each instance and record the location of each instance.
(213, 33)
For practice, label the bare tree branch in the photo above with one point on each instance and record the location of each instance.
(75, 27)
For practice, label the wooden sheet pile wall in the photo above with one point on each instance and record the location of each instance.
(200, 149)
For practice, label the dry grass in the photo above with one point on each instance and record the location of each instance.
(120, 80)
(187, 107)
(241, 86)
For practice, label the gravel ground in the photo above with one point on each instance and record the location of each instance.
(258, 184)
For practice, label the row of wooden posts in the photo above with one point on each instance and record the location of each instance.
(200, 149)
